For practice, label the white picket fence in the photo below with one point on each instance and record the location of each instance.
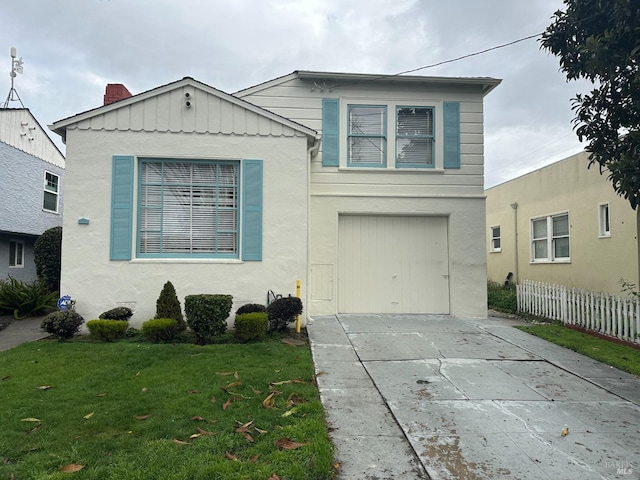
(616, 316)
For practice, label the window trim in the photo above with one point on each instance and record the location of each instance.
(604, 221)
(13, 258)
(431, 137)
(492, 238)
(47, 190)
(384, 136)
(550, 239)
(204, 255)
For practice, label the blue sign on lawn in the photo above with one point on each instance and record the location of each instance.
(64, 302)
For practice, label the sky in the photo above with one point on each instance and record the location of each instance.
(71, 49)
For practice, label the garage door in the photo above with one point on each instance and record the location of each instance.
(393, 264)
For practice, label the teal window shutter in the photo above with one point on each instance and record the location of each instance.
(330, 132)
(252, 210)
(121, 207)
(451, 135)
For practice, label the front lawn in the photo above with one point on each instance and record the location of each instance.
(147, 411)
(623, 357)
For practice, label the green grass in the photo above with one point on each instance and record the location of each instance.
(621, 356)
(88, 415)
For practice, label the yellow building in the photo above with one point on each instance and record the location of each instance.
(562, 224)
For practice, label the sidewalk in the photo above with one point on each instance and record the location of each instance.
(21, 331)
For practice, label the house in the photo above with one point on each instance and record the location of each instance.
(562, 224)
(32, 173)
(368, 189)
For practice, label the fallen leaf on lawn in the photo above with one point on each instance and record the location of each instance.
(205, 432)
(244, 427)
(231, 456)
(273, 477)
(30, 419)
(137, 373)
(194, 391)
(6, 378)
(195, 435)
(290, 412)
(287, 444)
(142, 417)
(197, 418)
(336, 466)
(248, 437)
(44, 387)
(270, 402)
(256, 391)
(102, 394)
(295, 399)
(233, 384)
(213, 399)
(227, 404)
(180, 442)
(88, 416)
(71, 468)
(34, 429)
(235, 375)
(260, 431)
(285, 382)
(254, 459)
(224, 374)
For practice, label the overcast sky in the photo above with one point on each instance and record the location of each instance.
(72, 48)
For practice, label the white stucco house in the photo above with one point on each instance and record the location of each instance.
(368, 189)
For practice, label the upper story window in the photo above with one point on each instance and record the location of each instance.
(604, 221)
(367, 140)
(16, 254)
(495, 239)
(414, 137)
(50, 202)
(550, 238)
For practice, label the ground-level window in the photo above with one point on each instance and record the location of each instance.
(495, 239)
(550, 238)
(188, 208)
(16, 254)
(51, 182)
(604, 221)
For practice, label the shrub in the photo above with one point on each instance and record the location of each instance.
(118, 313)
(251, 326)
(502, 297)
(22, 298)
(251, 308)
(207, 314)
(283, 311)
(107, 330)
(168, 306)
(47, 252)
(160, 329)
(63, 324)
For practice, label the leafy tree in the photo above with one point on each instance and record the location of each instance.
(47, 252)
(599, 40)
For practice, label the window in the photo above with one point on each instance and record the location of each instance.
(495, 239)
(188, 208)
(550, 238)
(50, 202)
(16, 254)
(603, 220)
(414, 137)
(367, 141)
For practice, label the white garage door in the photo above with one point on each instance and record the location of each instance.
(393, 264)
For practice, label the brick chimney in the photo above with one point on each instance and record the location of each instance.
(115, 92)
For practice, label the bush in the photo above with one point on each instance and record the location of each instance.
(160, 329)
(207, 315)
(251, 308)
(107, 330)
(63, 324)
(47, 253)
(251, 326)
(168, 306)
(22, 299)
(502, 297)
(118, 313)
(283, 311)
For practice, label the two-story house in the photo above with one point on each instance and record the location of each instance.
(368, 189)
(32, 174)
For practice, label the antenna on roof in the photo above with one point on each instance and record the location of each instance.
(16, 68)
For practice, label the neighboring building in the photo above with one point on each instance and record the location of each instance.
(562, 224)
(32, 174)
(237, 194)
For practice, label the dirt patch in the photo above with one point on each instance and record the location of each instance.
(5, 321)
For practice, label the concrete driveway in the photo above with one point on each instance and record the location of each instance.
(417, 396)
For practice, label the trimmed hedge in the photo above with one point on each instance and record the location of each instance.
(207, 315)
(158, 330)
(118, 313)
(107, 330)
(251, 308)
(283, 311)
(168, 306)
(62, 324)
(251, 326)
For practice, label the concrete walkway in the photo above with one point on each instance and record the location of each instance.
(21, 331)
(416, 397)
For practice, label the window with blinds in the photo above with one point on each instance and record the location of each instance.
(550, 238)
(188, 208)
(414, 137)
(367, 142)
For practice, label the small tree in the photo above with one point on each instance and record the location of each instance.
(47, 253)
(168, 306)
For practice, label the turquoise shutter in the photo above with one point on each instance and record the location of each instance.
(121, 207)
(330, 132)
(451, 135)
(252, 210)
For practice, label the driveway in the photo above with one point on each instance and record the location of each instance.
(418, 396)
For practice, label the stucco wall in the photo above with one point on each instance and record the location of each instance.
(97, 284)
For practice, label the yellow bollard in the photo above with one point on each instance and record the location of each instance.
(298, 295)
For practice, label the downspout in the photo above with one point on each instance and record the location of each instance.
(312, 151)
(514, 205)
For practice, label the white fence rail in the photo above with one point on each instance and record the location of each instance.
(616, 316)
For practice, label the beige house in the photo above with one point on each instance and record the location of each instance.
(562, 224)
